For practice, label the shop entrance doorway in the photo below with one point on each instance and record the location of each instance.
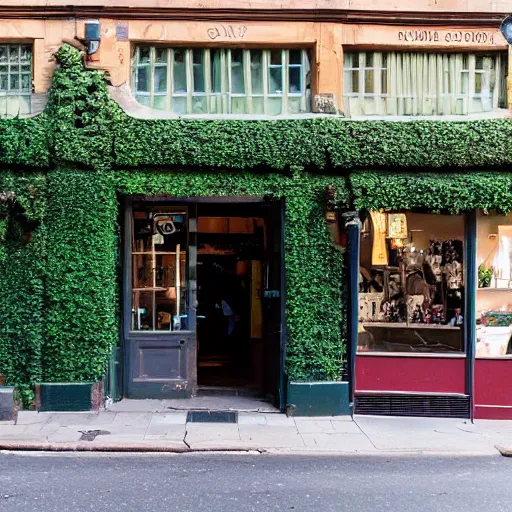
(203, 298)
(238, 282)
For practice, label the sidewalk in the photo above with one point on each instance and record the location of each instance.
(145, 426)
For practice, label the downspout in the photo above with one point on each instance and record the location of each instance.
(353, 230)
(470, 307)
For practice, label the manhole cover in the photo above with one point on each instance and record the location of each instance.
(212, 416)
(90, 435)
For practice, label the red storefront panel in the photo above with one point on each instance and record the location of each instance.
(493, 389)
(424, 374)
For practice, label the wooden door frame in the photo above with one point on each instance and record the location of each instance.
(160, 388)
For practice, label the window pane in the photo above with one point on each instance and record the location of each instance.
(479, 62)
(198, 64)
(25, 82)
(237, 72)
(384, 60)
(199, 105)
(143, 79)
(369, 84)
(179, 105)
(3, 54)
(295, 56)
(355, 81)
(161, 55)
(216, 71)
(295, 79)
(275, 81)
(160, 102)
(160, 79)
(144, 53)
(257, 71)
(14, 54)
(478, 83)
(276, 57)
(494, 293)
(26, 54)
(411, 295)
(384, 81)
(14, 82)
(369, 60)
(3, 82)
(180, 71)
(159, 263)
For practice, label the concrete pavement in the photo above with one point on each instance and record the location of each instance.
(145, 426)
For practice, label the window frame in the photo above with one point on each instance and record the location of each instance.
(20, 93)
(226, 97)
(458, 92)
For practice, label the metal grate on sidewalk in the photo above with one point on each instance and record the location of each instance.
(212, 417)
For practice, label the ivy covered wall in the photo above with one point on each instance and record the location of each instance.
(69, 166)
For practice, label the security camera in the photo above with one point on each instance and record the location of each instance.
(92, 36)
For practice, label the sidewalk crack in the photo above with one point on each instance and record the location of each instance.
(365, 434)
(185, 437)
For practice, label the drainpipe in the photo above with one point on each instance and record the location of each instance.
(353, 230)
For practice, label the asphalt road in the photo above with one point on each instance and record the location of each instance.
(229, 483)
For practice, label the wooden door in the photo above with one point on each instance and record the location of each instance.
(159, 321)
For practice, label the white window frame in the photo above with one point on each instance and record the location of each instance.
(15, 100)
(223, 101)
(405, 95)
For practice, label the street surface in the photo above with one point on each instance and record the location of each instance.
(238, 483)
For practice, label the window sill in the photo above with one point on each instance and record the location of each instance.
(122, 95)
(432, 355)
(496, 114)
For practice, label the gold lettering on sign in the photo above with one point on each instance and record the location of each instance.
(456, 36)
(227, 31)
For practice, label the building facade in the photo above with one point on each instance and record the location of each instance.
(173, 184)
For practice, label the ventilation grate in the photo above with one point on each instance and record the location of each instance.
(212, 417)
(434, 406)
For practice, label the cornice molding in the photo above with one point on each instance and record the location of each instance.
(460, 19)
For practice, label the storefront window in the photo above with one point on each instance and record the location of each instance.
(159, 264)
(411, 290)
(494, 292)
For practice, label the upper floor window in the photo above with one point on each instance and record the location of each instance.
(15, 79)
(399, 83)
(222, 81)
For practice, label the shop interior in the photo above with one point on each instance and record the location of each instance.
(230, 261)
(494, 292)
(411, 290)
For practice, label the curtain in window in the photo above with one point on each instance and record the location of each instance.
(422, 83)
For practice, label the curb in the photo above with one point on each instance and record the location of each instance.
(125, 448)
(506, 451)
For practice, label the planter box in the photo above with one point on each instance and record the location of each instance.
(318, 399)
(7, 409)
(69, 396)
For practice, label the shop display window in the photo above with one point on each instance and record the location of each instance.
(494, 292)
(159, 269)
(411, 289)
